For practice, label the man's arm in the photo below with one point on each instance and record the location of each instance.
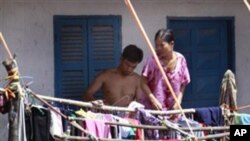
(93, 88)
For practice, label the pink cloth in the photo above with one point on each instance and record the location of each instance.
(177, 77)
(171, 140)
(98, 128)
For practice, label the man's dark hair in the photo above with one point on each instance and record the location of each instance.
(132, 53)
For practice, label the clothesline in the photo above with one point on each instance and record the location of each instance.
(210, 129)
(110, 108)
(114, 108)
(65, 137)
(42, 98)
(218, 128)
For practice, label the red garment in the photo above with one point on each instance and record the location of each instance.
(138, 132)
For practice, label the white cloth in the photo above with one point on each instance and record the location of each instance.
(56, 127)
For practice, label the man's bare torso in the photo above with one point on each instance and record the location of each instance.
(119, 90)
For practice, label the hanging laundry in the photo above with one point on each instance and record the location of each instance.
(124, 131)
(4, 102)
(228, 91)
(137, 132)
(38, 124)
(192, 123)
(241, 118)
(56, 127)
(97, 126)
(148, 119)
(210, 116)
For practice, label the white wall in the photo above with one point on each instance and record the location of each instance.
(27, 26)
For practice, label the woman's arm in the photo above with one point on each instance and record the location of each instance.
(157, 105)
(179, 98)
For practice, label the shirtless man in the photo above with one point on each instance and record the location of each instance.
(121, 85)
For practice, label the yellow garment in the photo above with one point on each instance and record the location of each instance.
(82, 113)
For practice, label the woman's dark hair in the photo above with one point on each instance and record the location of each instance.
(132, 53)
(165, 34)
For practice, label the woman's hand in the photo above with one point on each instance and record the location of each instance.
(156, 104)
(175, 107)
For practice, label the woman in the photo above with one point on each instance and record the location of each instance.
(175, 67)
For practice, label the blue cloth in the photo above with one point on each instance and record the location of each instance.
(242, 119)
(148, 119)
(192, 123)
(210, 116)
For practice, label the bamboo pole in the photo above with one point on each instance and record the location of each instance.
(15, 87)
(218, 128)
(219, 135)
(2, 40)
(110, 108)
(181, 129)
(211, 129)
(138, 22)
(247, 4)
(151, 127)
(215, 136)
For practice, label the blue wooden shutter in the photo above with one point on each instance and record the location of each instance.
(104, 46)
(84, 46)
(70, 57)
(203, 41)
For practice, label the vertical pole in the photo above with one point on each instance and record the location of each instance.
(15, 87)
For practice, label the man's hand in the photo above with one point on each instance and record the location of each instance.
(97, 103)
